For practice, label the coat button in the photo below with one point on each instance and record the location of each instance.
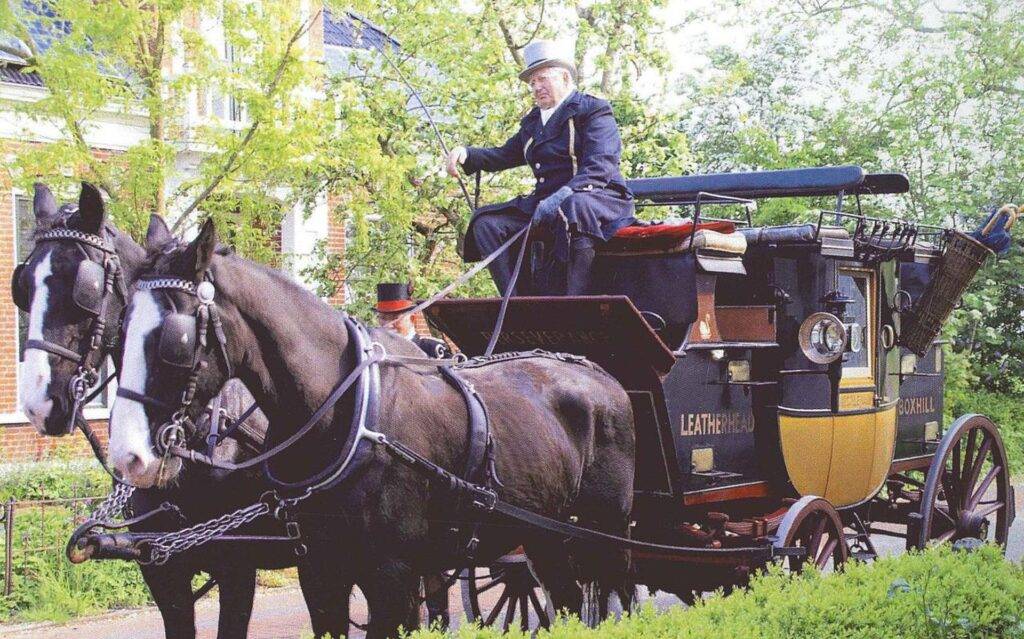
(541, 180)
(537, 165)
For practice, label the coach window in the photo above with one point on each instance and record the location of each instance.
(25, 224)
(858, 285)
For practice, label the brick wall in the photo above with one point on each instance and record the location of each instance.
(336, 245)
(21, 443)
(8, 312)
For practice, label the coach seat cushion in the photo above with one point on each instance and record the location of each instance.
(668, 237)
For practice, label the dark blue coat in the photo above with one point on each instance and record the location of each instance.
(579, 147)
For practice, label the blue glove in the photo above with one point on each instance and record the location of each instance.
(548, 207)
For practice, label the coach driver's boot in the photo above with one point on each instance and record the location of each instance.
(581, 258)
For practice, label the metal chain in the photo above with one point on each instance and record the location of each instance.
(166, 546)
(78, 236)
(157, 283)
(116, 505)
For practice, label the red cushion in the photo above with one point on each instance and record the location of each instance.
(676, 231)
(660, 236)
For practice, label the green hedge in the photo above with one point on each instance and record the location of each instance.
(940, 593)
(1006, 411)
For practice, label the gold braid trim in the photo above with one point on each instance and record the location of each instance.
(572, 143)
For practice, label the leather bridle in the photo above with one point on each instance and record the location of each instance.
(87, 374)
(180, 429)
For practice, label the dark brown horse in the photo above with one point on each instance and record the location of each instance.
(44, 287)
(563, 434)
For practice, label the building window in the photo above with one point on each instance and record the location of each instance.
(25, 224)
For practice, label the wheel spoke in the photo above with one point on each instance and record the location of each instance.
(969, 457)
(945, 514)
(983, 488)
(826, 553)
(946, 536)
(497, 607)
(955, 455)
(949, 487)
(488, 586)
(815, 542)
(524, 613)
(542, 614)
(988, 510)
(975, 471)
(510, 613)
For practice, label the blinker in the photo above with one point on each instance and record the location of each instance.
(20, 295)
(88, 291)
(178, 340)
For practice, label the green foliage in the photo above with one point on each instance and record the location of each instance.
(113, 63)
(943, 104)
(46, 586)
(940, 593)
(407, 217)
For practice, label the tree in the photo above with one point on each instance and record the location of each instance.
(463, 60)
(157, 61)
(932, 89)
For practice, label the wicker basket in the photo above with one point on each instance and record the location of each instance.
(960, 262)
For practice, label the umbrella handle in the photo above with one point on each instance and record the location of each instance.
(1008, 210)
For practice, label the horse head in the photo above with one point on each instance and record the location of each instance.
(176, 337)
(72, 287)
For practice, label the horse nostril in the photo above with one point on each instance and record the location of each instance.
(135, 465)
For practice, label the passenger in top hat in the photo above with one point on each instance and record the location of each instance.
(571, 143)
(392, 301)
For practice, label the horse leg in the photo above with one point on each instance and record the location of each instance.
(236, 591)
(604, 502)
(327, 593)
(171, 587)
(392, 593)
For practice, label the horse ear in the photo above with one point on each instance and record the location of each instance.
(91, 210)
(157, 235)
(200, 251)
(44, 205)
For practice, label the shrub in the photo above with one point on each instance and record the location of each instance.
(939, 593)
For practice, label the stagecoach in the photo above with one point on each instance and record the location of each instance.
(786, 384)
(786, 381)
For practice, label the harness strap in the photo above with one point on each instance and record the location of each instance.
(56, 349)
(230, 430)
(332, 399)
(465, 277)
(506, 297)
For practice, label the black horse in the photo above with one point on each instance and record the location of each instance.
(45, 287)
(562, 431)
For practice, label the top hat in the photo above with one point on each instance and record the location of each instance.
(541, 54)
(393, 298)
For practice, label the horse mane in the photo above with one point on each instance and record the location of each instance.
(161, 260)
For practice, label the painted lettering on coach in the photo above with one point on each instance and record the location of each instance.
(727, 423)
(916, 405)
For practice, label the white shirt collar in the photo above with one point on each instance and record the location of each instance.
(545, 114)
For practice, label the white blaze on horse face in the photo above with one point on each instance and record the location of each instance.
(131, 448)
(35, 369)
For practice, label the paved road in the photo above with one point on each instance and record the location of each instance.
(280, 613)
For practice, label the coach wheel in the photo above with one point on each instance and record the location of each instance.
(504, 593)
(814, 525)
(967, 492)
